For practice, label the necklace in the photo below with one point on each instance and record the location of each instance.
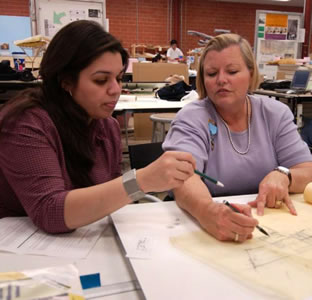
(248, 132)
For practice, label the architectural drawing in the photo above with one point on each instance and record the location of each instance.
(280, 263)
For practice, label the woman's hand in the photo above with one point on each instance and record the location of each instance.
(273, 192)
(226, 225)
(168, 172)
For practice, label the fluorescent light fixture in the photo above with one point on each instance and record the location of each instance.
(281, 0)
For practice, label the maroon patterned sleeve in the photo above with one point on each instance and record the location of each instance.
(33, 175)
(32, 164)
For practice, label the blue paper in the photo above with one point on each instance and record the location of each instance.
(90, 281)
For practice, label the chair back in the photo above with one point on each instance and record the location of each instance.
(142, 155)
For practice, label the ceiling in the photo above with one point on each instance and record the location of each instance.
(299, 3)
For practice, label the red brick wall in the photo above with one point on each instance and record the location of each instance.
(14, 8)
(152, 25)
(237, 17)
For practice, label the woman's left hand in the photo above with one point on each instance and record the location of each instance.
(273, 192)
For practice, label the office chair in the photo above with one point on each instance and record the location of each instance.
(142, 155)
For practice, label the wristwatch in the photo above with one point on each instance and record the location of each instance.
(284, 171)
(131, 186)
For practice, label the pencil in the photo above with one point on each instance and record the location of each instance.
(215, 181)
(234, 208)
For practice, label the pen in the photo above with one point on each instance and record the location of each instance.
(215, 181)
(236, 209)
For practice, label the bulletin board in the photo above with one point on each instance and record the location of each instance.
(277, 34)
(51, 15)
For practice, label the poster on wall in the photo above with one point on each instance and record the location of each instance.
(51, 16)
(276, 36)
(276, 27)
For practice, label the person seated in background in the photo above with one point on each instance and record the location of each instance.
(249, 143)
(174, 54)
(60, 159)
(157, 58)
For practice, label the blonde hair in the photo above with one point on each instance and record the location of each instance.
(219, 43)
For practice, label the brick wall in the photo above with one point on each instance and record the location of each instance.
(145, 23)
(237, 17)
(148, 22)
(14, 8)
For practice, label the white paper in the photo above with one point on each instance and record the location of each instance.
(301, 35)
(194, 279)
(142, 247)
(19, 235)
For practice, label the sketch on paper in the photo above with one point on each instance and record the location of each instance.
(286, 254)
(294, 244)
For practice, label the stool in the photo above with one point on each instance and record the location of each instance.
(160, 119)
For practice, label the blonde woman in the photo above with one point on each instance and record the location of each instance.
(249, 143)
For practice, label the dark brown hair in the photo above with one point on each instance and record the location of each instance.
(71, 50)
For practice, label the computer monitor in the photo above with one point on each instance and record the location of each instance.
(300, 80)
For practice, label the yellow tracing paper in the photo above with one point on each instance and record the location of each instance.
(281, 263)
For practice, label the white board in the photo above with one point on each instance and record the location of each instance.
(52, 15)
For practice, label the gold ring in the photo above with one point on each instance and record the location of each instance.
(278, 203)
(236, 237)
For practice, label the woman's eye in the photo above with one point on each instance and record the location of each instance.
(100, 81)
(119, 79)
(233, 72)
(211, 74)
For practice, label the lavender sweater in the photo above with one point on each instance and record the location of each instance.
(275, 141)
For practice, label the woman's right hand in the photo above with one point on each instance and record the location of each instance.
(225, 224)
(169, 171)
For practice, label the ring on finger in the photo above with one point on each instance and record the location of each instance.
(278, 203)
(236, 237)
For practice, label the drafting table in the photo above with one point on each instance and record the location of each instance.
(146, 104)
(165, 272)
(296, 102)
(170, 275)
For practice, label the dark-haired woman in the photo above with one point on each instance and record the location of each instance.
(61, 149)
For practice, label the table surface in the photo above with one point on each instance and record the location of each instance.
(108, 258)
(282, 95)
(105, 258)
(149, 103)
(165, 272)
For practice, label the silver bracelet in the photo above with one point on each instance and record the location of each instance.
(131, 186)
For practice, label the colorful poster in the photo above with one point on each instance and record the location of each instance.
(276, 20)
(276, 27)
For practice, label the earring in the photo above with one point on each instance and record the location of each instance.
(70, 93)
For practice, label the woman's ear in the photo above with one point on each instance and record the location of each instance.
(67, 85)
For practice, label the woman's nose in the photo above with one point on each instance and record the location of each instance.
(115, 87)
(221, 78)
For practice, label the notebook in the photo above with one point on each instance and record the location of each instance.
(298, 84)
